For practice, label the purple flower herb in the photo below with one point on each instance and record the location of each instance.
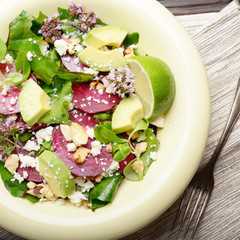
(8, 135)
(52, 28)
(75, 9)
(120, 81)
(87, 21)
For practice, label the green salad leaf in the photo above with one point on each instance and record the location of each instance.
(141, 125)
(106, 124)
(23, 64)
(14, 187)
(63, 13)
(102, 116)
(45, 68)
(61, 95)
(131, 39)
(121, 151)
(13, 79)
(3, 49)
(25, 136)
(152, 146)
(38, 22)
(105, 135)
(104, 192)
(21, 38)
(20, 28)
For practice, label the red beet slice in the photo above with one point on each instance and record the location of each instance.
(9, 101)
(84, 119)
(125, 162)
(91, 101)
(72, 63)
(92, 167)
(33, 174)
(26, 127)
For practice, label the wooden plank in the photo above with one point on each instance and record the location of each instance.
(183, 7)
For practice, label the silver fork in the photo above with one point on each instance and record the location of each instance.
(203, 181)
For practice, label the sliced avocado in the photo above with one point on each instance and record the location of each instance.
(102, 60)
(33, 102)
(56, 173)
(106, 36)
(127, 113)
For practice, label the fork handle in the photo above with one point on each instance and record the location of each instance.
(232, 119)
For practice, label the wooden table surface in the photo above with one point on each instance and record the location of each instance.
(183, 7)
(177, 7)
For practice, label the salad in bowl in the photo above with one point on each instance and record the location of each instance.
(79, 107)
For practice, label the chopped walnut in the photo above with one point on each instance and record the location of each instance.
(72, 43)
(100, 86)
(141, 148)
(79, 135)
(98, 179)
(138, 167)
(81, 154)
(11, 163)
(41, 190)
(109, 148)
(128, 52)
(93, 84)
(134, 136)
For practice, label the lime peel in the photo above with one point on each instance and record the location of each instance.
(155, 84)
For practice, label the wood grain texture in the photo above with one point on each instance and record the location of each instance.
(183, 7)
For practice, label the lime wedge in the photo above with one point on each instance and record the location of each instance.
(155, 84)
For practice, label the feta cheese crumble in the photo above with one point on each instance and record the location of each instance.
(111, 169)
(153, 156)
(90, 132)
(44, 134)
(29, 56)
(96, 148)
(76, 198)
(31, 146)
(27, 161)
(5, 90)
(61, 47)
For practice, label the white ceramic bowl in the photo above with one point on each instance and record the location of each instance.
(182, 140)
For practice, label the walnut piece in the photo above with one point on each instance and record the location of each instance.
(11, 163)
(41, 190)
(93, 84)
(98, 179)
(138, 167)
(100, 86)
(109, 148)
(81, 154)
(128, 52)
(72, 43)
(141, 148)
(135, 135)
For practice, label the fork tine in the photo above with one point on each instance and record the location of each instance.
(187, 208)
(194, 210)
(180, 208)
(201, 213)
